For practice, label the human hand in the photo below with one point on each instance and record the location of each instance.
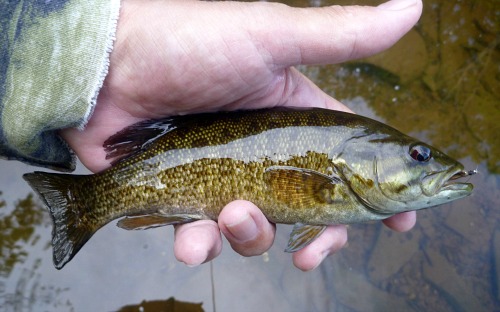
(174, 57)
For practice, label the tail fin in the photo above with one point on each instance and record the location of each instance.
(70, 232)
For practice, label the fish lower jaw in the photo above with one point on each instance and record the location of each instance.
(457, 186)
(453, 185)
(452, 191)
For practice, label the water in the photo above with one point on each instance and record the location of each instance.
(440, 84)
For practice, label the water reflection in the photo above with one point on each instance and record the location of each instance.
(440, 83)
(24, 289)
(169, 305)
(16, 229)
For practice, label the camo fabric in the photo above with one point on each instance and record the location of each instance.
(53, 59)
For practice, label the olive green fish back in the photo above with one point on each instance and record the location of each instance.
(208, 129)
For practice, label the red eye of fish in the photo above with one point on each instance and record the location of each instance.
(420, 153)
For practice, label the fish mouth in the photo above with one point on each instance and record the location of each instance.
(452, 181)
(448, 183)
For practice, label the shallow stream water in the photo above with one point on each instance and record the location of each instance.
(440, 83)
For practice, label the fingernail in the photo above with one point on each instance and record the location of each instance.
(197, 260)
(397, 5)
(243, 230)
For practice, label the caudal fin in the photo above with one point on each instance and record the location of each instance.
(70, 232)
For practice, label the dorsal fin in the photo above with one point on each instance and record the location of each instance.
(136, 137)
(202, 129)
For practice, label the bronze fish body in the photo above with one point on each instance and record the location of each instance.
(309, 167)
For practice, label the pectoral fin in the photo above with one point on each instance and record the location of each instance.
(302, 235)
(301, 188)
(154, 220)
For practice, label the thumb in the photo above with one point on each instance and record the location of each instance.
(332, 34)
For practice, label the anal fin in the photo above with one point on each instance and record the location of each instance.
(302, 235)
(144, 222)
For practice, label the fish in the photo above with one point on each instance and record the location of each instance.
(309, 167)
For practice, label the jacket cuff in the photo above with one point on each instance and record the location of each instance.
(56, 58)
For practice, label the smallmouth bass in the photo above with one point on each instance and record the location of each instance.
(309, 167)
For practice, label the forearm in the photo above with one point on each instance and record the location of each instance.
(54, 60)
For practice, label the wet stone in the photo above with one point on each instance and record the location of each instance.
(453, 287)
(358, 293)
(393, 250)
(496, 262)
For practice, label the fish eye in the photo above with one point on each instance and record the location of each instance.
(420, 153)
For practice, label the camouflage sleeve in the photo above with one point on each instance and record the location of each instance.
(53, 60)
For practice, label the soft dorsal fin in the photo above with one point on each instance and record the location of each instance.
(137, 137)
(176, 131)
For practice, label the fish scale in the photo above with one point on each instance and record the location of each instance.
(309, 167)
